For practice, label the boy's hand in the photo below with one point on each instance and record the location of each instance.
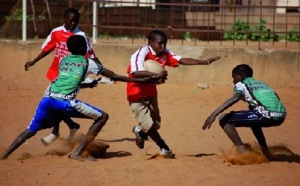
(89, 85)
(163, 77)
(93, 84)
(208, 122)
(210, 60)
(28, 64)
(152, 79)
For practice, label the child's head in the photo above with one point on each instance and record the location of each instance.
(77, 45)
(240, 72)
(71, 18)
(158, 41)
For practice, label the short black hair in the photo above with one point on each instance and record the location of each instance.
(72, 11)
(153, 33)
(243, 70)
(77, 44)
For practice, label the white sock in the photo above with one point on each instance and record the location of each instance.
(49, 139)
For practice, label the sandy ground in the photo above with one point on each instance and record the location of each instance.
(199, 158)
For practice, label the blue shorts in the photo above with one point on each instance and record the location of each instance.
(51, 111)
(250, 118)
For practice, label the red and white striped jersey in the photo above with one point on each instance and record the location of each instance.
(136, 91)
(57, 41)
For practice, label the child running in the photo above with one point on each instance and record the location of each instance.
(143, 97)
(60, 100)
(265, 109)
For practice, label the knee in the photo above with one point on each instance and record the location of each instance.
(104, 117)
(224, 119)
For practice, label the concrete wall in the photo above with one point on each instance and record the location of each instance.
(275, 67)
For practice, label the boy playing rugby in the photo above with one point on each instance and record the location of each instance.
(265, 109)
(143, 97)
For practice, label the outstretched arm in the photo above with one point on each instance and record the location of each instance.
(191, 61)
(143, 78)
(208, 122)
(31, 63)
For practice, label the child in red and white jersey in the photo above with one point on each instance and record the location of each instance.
(143, 97)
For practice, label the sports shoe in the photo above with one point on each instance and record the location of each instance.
(49, 139)
(167, 154)
(138, 140)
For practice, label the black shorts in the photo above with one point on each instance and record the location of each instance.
(252, 118)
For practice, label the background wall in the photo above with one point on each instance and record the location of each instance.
(275, 67)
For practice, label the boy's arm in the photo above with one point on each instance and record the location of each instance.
(208, 122)
(116, 77)
(36, 59)
(191, 61)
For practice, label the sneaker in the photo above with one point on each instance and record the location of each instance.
(138, 140)
(49, 139)
(105, 80)
(167, 154)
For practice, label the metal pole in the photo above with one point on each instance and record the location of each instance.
(24, 14)
(95, 21)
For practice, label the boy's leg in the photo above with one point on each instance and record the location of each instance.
(52, 136)
(259, 135)
(252, 119)
(146, 113)
(89, 137)
(165, 150)
(140, 135)
(79, 109)
(55, 131)
(231, 131)
(72, 126)
(26, 134)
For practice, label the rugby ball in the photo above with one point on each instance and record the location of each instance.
(153, 66)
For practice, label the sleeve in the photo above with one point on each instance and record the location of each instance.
(94, 68)
(173, 59)
(239, 88)
(137, 59)
(90, 51)
(50, 42)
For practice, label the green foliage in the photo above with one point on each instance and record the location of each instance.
(292, 36)
(187, 36)
(237, 31)
(260, 32)
(240, 30)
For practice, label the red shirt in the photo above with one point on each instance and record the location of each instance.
(136, 91)
(57, 41)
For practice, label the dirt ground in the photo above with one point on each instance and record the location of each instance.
(201, 156)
